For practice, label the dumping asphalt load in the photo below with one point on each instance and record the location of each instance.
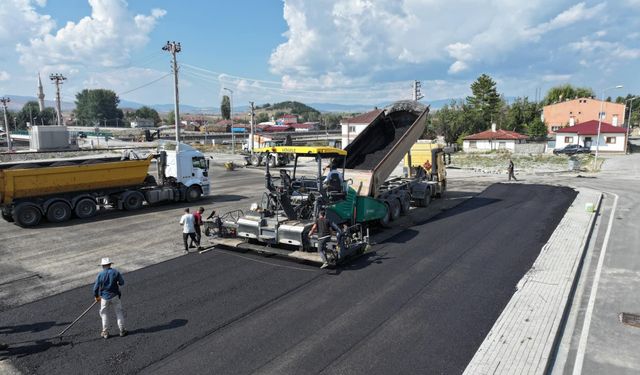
(65, 188)
(281, 222)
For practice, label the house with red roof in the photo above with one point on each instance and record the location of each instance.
(612, 138)
(353, 126)
(493, 139)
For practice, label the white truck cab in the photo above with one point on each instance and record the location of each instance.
(190, 168)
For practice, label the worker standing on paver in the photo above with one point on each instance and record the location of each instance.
(105, 291)
(188, 228)
(197, 223)
(323, 226)
(510, 169)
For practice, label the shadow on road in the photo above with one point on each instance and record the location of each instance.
(227, 198)
(471, 204)
(34, 327)
(175, 323)
(38, 346)
(402, 237)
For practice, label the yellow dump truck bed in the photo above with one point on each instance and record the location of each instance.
(37, 181)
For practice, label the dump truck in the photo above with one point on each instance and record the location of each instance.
(374, 154)
(61, 189)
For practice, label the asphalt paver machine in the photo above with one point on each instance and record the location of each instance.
(280, 223)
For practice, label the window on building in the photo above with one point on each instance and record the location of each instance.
(555, 128)
(610, 140)
(352, 128)
(502, 145)
(615, 120)
(472, 144)
(568, 140)
(572, 121)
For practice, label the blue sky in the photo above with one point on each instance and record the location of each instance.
(333, 51)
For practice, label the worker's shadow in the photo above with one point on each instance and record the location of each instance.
(34, 327)
(175, 323)
(363, 261)
(38, 346)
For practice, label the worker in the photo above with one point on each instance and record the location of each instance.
(197, 222)
(105, 291)
(510, 169)
(188, 228)
(323, 226)
(334, 180)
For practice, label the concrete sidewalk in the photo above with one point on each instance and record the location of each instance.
(523, 338)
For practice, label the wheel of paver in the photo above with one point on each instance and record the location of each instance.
(193, 193)
(394, 206)
(59, 211)
(133, 201)
(405, 204)
(85, 208)
(27, 215)
(385, 221)
(8, 217)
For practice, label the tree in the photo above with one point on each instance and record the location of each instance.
(537, 128)
(30, 113)
(225, 107)
(262, 117)
(520, 113)
(563, 92)
(448, 121)
(171, 118)
(96, 106)
(147, 112)
(485, 101)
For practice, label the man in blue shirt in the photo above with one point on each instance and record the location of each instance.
(105, 290)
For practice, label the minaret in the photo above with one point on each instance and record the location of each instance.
(40, 94)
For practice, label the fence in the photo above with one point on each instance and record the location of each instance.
(529, 148)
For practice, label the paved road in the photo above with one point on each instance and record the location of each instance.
(421, 303)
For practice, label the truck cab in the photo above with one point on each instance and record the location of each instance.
(190, 168)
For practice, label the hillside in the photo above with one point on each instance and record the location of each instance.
(295, 108)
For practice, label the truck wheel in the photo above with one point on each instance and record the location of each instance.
(405, 204)
(427, 198)
(7, 216)
(255, 160)
(394, 206)
(193, 193)
(85, 208)
(58, 212)
(27, 215)
(133, 201)
(385, 221)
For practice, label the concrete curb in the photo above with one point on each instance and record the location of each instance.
(524, 337)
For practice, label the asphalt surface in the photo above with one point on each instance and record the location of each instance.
(422, 302)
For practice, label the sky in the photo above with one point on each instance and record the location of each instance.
(317, 51)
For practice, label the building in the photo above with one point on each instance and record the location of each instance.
(581, 110)
(287, 119)
(142, 123)
(353, 126)
(612, 138)
(493, 139)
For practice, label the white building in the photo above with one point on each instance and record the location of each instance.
(612, 138)
(142, 123)
(353, 126)
(493, 139)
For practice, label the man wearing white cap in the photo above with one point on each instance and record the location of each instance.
(105, 290)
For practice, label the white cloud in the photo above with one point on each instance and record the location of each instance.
(4, 76)
(577, 13)
(556, 77)
(106, 38)
(20, 21)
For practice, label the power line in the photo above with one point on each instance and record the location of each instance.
(145, 85)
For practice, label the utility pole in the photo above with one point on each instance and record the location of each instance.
(174, 48)
(233, 134)
(4, 101)
(417, 95)
(253, 116)
(58, 79)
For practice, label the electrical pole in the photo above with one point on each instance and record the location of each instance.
(4, 101)
(417, 95)
(174, 48)
(253, 116)
(58, 79)
(233, 134)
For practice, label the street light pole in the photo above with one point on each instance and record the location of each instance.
(629, 122)
(233, 134)
(174, 48)
(7, 132)
(595, 160)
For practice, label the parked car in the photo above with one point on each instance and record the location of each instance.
(573, 149)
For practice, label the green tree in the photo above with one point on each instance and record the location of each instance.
(30, 113)
(147, 112)
(98, 106)
(225, 107)
(520, 113)
(484, 101)
(537, 128)
(330, 120)
(171, 118)
(563, 92)
(448, 121)
(262, 117)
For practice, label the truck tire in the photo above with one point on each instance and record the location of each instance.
(132, 201)
(27, 215)
(394, 209)
(58, 212)
(405, 203)
(193, 193)
(85, 208)
(255, 160)
(386, 220)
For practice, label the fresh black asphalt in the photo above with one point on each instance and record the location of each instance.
(422, 302)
